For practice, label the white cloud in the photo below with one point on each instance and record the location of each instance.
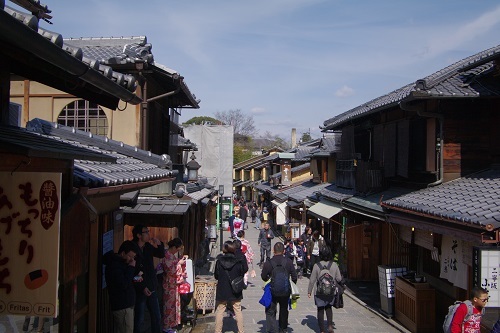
(345, 91)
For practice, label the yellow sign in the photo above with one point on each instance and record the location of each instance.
(30, 210)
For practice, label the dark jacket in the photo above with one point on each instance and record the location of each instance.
(119, 281)
(234, 267)
(263, 240)
(267, 269)
(144, 263)
(239, 254)
(243, 213)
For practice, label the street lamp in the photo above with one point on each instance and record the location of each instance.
(192, 167)
(221, 193)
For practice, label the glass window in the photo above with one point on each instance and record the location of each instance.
(85, 116)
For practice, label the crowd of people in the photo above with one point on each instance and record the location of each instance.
(132, 283)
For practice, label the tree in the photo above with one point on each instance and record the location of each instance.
(201, 120)
(240, 154)
(243, 124)
(306, 137)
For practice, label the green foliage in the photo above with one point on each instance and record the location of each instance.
(306, 137)
(241, 153)
(202, 120)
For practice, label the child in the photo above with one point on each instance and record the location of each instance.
(290, 251)
(301, 255)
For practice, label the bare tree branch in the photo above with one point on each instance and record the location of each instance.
(243, 124)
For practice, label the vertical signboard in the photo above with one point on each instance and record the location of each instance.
(286, 174)
(485, 269)
(30, 207)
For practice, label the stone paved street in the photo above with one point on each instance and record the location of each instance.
(355, 317)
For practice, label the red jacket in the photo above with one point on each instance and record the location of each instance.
(472, 325)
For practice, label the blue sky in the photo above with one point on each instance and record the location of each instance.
(291, 63)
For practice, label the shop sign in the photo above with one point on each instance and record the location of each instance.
(30, 208)
(485, 272)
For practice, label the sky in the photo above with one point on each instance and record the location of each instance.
(290, 63)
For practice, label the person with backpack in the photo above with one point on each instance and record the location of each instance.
(466, 316)
(325, 279)
(280, 270)
(247, 250)
(228, 268)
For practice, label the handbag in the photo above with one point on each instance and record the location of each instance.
(295, 290)
(266, 298)
(338, 299)
(237, 284)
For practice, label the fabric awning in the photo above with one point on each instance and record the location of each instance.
(276, 202)
(281, 214)
(325, 209)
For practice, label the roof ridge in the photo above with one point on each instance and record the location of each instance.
(106, 38)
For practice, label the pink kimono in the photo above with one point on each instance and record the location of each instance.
(172, 271)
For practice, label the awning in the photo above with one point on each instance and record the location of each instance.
(325, 209)
(281, 214)
(276, 202)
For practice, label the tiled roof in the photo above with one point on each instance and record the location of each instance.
(20, 141)
(159, 206)
(43, 56)
(465, 78)
(300, 196)
(371, 203)
(198, 195)
(472, 199)
(302, 154)
(336, 193)
(266, 187)
(130, 50)
(132, 164)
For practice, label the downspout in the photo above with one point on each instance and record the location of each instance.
(440, 142)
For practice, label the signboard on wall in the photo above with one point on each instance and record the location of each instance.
(30, 208)
(485, 272)
(286, 174)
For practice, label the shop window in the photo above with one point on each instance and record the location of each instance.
(85, 116)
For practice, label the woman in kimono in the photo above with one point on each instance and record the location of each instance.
(172, 276)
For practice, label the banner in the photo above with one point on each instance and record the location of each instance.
(30, 209)
(452, 267)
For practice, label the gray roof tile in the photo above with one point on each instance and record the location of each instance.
(465, 201)
(128, 164)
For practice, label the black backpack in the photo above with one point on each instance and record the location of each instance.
(326, 285)
(280, 280)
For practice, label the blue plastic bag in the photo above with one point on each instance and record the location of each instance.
(266, 297)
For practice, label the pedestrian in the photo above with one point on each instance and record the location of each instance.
(231, 223)
(257, 218)
(326, 268)
(146, 249)
(253, 212)
(227, 268)
(305, 237)
(479, 299)
(247, 250)
(264, 241)
(290, 250)
(238, 252)
(171, 265)
(315, 243)
(244, 215)
(301, 256)
(280, 270)
(264, 215)
(119, 275)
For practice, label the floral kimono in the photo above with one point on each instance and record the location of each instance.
(172, 270)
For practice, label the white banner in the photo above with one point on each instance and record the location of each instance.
(30, 209)
(452, 267)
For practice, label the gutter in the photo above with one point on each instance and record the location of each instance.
(127, 187)
(440, 142)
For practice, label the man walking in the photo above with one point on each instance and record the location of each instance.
(244, 215)
(231, 223)
(264, 241)
(146, 249)
(119, 274)
(279, 269)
